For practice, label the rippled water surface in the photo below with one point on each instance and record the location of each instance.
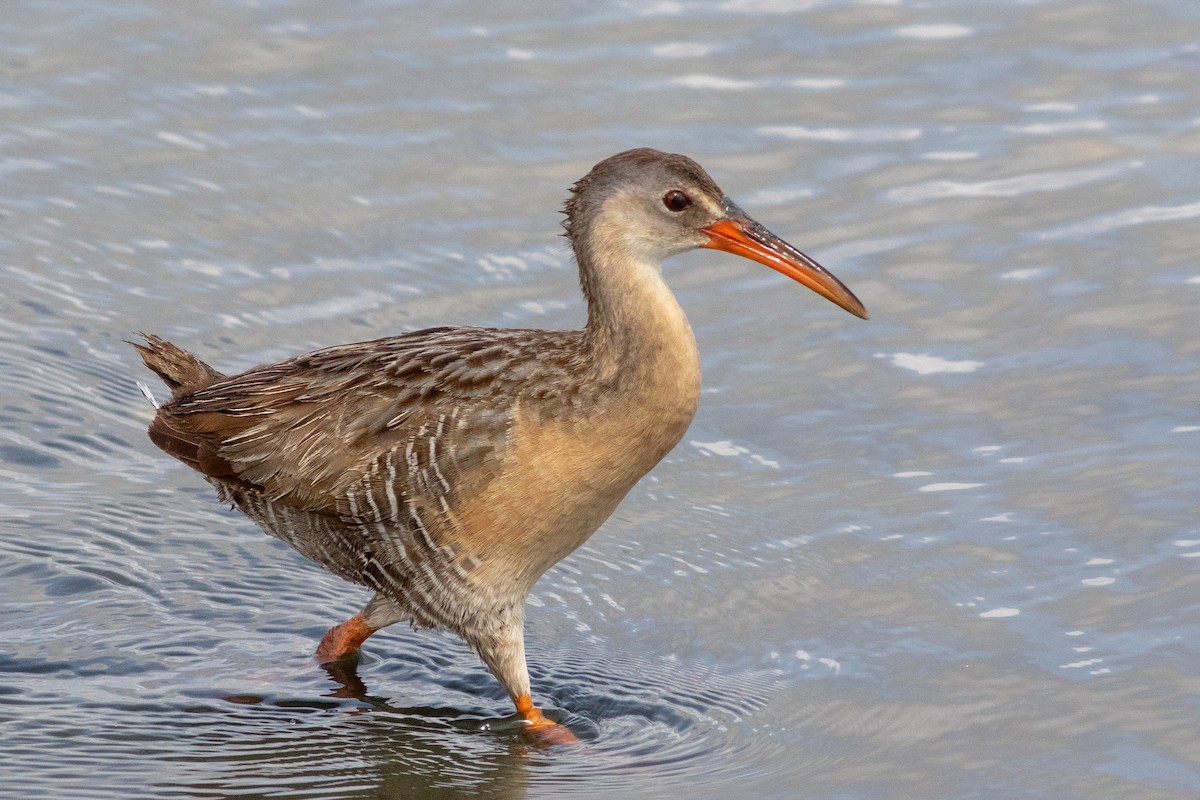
(948, 553)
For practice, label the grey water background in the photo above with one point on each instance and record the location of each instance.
(952, 552)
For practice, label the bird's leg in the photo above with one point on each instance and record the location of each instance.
(342, 641)
(505, 657)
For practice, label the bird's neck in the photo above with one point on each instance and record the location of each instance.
(638, 336)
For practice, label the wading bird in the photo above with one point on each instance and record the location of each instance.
(447, 469)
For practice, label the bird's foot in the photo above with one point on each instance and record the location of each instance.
(539, 730)
(548, 734)
(342, 641)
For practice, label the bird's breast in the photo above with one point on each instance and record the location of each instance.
(565, 473)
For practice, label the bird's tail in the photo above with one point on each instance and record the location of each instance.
(181, 371)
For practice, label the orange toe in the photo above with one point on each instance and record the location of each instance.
(540, 731)
(343, 641)
(548, 734)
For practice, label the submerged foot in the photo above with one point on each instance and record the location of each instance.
(539, 730)
(342, 641)
(548, 734)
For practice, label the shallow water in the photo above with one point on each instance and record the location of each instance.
(948, 553)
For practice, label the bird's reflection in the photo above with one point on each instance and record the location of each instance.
(388, 751)
(349, 685)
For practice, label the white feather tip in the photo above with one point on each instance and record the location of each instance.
(148, 394)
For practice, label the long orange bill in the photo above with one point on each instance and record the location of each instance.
(737, 233)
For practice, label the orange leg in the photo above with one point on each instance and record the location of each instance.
(539, 730)
(343, 641)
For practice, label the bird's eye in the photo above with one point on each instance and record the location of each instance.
(676, 200)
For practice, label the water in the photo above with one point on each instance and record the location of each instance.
(948, 553)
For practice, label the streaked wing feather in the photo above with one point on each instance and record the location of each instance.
(358, 455)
